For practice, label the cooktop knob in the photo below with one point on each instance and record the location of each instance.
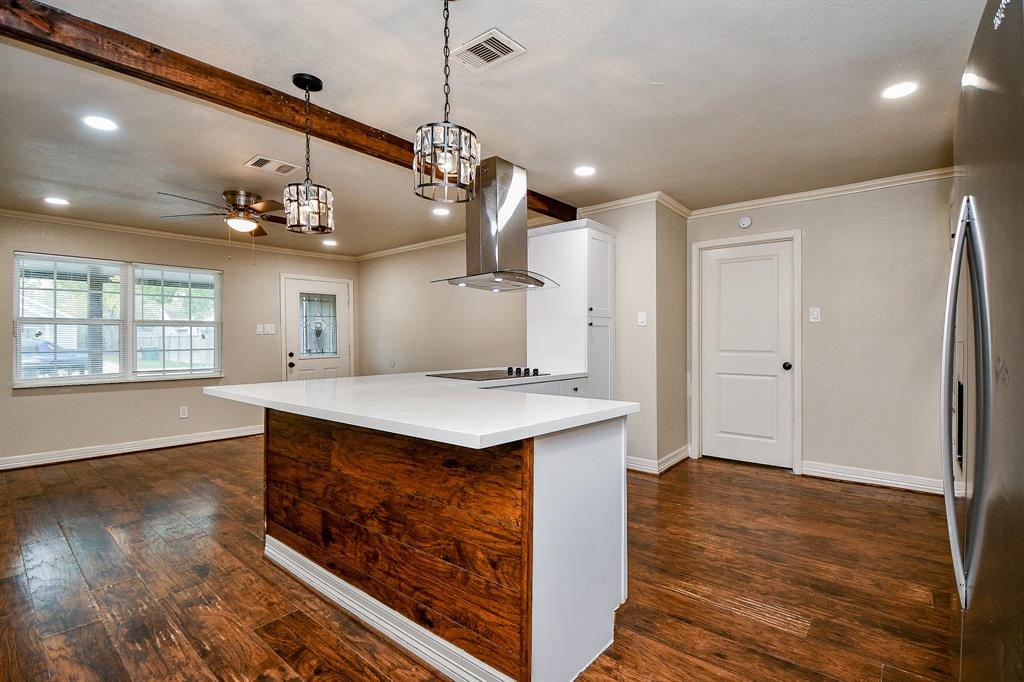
(536, 372)
(519, 371)
(510, 371)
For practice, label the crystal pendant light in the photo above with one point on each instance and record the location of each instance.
(445, 155)
(308, 208)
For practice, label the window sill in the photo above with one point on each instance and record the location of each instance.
(86, 381)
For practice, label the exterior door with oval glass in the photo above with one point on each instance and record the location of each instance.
(747, 345)
(317, 332)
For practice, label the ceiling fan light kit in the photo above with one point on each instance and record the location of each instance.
(446, 156)
(308, 207)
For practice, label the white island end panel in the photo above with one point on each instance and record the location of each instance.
(579, 546)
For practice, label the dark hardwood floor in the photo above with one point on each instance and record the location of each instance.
(149, 567)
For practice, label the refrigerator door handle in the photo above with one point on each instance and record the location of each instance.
(946, 397)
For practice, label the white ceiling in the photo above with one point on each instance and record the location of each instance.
(759, 98)
(176, 144)
(710, 101)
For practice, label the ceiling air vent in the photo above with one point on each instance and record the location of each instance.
(487, 51)
(269, 165)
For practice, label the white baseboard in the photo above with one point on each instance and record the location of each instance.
(38, 458)
(885, 478)
(446, 657)
(649, 466)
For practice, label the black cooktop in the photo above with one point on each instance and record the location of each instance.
(488, 375)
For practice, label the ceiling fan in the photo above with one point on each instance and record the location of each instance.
(241, 211)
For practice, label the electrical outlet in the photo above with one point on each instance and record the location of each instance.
(260, 329)
(183, 412)
(814, 314)
(641, 319)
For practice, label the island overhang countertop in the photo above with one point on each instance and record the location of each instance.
(443, 410)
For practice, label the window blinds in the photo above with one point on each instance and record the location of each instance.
(74, 321)
(177, 320)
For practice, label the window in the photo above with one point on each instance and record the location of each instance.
(81, 320)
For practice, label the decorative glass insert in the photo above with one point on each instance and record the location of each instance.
(318, 325)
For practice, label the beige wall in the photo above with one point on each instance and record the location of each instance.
(671, 265)
(875, 262)
(407, 324)
(38, 420)
(636, 350)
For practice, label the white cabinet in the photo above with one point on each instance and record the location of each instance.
(569, 327)
(600, 266)
(572, 388)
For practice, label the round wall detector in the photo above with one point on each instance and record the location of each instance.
(745, 222)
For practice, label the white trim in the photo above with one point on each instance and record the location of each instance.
(424, 644)
(450, 239)
(883, 478)
(285, 276)
(694, 401)
(649, 466)
(146, 232)
(656, 197)
(826, 192)
(39, 458)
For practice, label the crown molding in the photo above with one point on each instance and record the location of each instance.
(651, 197)
(450, 239)
(144, 232)
(827, 192)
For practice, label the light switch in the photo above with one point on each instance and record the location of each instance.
(269, 328)
(259, 329)
(814, 315)
(641, 319)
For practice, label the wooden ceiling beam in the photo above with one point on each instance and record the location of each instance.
(58, 31)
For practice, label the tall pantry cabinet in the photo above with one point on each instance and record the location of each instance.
(570, 327)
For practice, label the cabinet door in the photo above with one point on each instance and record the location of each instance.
(599, 358)
(574, 388)
(600, 266)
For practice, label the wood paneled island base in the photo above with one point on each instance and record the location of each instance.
(439, 533)
(484, 531)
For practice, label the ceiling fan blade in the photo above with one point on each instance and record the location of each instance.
(198, 201)
(267, 206)
(259, 232)
(274, 219)
(189, 215)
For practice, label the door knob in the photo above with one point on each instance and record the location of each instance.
(590, 324)
(291, 354)
(787, 366)
(291, 364)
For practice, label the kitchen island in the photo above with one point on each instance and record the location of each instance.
(484, 530)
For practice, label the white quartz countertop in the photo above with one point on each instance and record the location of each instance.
(445, 410)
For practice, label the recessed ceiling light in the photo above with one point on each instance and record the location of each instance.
(899, 90)
(329, 242)
(462, 284)
(441, 211)
(584, 171)
(99, 123)
(56, 201)
(969, 80)
(495, 290)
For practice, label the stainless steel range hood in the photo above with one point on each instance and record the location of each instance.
(496, 240)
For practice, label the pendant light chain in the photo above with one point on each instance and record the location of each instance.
(308, 181)
(447, 68)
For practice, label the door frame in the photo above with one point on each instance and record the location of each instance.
(283, 344)
(696, 398)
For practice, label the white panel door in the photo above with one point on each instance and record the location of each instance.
(746, 317)
(317, 334)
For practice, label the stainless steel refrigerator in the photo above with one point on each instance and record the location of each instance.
(982, 383)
